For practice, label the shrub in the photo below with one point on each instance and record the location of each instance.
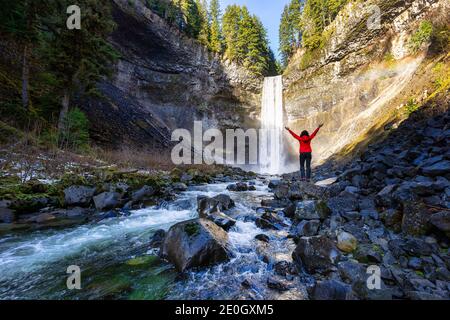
(411, 106)
(76, 133)
(421, 36)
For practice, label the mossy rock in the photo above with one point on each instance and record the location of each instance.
(192, 229)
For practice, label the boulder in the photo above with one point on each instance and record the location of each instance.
(238, 187)
(331, 290)
(7, 215)
(415, 219)
(157, 239)
(316, 254)
(352, 271)
(437, 169)
(42, 218)
(78, 195)
(107, 200)
(143, 193)
(306, 228)
(206, 205)
(277, 284)
(195, 243)
(269, 220)
(346, 242)
(342, 204)
(262, 237)
(222, 220)
(441, 221)
(392, 218)
(284, 268)
(179, 186)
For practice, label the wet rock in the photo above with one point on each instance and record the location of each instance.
(179, 186)
(207, 206)
(269, 220)
(7, 215)
(238, 187)
(107, 200)
(195, 243)
(415, 218)
(274, 183)
(346, 242)
(145, 193)
(277, 284)
(316, 254)
(284, 268)
(78, 195)
(332, 290)
(392, 218)
(262, 237)
(306, 228)
(78, 212)
(222, 220)
(42, 218)
(157, 239)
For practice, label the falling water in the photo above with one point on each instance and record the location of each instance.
(271, 139)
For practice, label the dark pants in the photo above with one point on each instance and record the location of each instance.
(305, 158)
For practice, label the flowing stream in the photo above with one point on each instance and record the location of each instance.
(116, 262)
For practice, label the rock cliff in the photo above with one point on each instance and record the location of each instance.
(364, 75)
(165, 80)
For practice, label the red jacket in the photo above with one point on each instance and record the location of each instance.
(305, 141)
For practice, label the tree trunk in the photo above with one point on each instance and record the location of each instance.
(25, 78)
(64, 111)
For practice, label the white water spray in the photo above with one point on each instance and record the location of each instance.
(271, 138)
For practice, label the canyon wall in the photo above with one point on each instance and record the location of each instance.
(164, 81)
(362, 76)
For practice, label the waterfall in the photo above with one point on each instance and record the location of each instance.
(271, 135)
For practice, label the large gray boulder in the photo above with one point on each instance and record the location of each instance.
(195, 243)
(107, 200)
(316, 254)
(306, 228)
(78, 195)
(211, 209)
(332, 290)
(142, 194)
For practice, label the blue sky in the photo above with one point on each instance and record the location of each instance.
(269, 11)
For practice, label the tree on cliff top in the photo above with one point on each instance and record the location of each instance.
(216, 38)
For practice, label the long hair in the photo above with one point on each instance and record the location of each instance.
(304, 134)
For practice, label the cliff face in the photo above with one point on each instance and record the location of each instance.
(165, 80)
(363, 76)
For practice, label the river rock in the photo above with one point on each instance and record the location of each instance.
(78, 195)
(437, 169)
(206, 205)
(238, 187)
(331, 290)
(346, 242)
(316, 254)
(157, 239)
(222, 220)
(306, 210)
(142, 194)
(306, 228)
(107, 200)
(262, 237)
(195, 243)
(7, 215)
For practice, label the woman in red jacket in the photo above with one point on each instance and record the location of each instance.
(305, 151)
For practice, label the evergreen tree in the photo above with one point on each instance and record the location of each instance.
(216, 39)
(205, 30)
(21, 20)
(290, 33)
(79, 58)
(230, 25)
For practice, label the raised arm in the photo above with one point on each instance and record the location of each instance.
(293, 134)
(315, 132)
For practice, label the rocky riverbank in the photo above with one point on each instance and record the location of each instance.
(386, 211)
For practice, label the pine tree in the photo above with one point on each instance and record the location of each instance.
(230, 25)
(21, 20)
(290, 33)
(79, 58)
(216, 39)
(205, 29)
